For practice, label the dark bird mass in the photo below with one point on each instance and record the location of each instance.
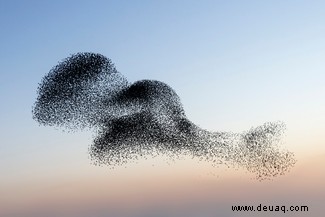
(133, 120)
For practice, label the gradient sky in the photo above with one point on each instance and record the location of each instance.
(234, 64)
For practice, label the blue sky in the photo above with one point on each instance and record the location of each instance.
(235, 64)
(223, 54)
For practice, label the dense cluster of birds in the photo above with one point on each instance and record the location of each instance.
(132, 120)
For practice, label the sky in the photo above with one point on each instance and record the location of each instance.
(234, 64)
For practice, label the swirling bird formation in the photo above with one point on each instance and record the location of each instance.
(133, 120)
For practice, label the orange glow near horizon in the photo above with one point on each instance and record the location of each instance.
(163, 185)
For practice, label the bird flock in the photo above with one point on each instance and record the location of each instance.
(136, 120)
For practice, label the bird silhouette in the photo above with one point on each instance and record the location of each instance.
(132, 120)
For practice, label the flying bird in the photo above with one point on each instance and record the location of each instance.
(132, 120)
